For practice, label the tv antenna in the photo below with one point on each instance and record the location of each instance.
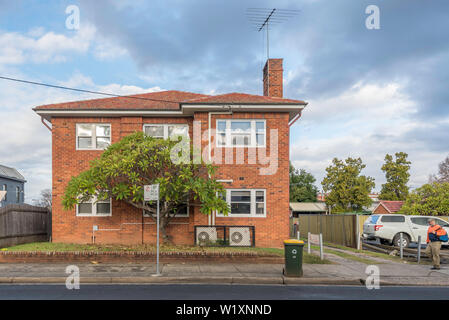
(262, 18)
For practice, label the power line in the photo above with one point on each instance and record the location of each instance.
(82, 90)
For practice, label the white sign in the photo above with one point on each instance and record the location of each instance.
(314, 238)
(2, 195)
(151, 192)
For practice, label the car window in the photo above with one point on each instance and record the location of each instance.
(442, 223)
(419, 221)
(393, 219)
(372, 219)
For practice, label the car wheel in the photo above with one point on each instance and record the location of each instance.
(405, 240)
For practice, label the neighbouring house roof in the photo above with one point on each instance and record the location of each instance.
(11, 173)
(308, 206)
(390, 206)
(170, 103)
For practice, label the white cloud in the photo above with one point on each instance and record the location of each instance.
(366, 121)
(38, 46)
(25, 142)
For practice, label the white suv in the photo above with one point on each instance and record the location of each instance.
(388, 227)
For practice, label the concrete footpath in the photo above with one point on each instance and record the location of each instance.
(342, 271)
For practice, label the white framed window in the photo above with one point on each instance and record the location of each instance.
(165, 131)
(246, 203)
(94, 208)
(241, 133)
(91, 136)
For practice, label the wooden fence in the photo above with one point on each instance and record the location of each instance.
(337, 228)
(23, 224)
(340, 229)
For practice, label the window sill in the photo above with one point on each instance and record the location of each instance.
(93, 216)
(242, 216)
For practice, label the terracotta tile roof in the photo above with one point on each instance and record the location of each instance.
(164, 100)
(243, 98)
(392, 206)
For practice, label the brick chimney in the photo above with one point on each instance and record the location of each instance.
(273, 78)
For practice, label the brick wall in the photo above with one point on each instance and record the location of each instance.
(125, 224)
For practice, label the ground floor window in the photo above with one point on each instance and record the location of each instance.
(94, 208)
(182, 211)
(246, 202)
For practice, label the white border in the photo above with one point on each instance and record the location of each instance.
(94, 210)
(253, 204)
(94, 135)
(166, 125)
(253, 133)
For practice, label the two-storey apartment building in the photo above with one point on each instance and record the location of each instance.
(245, 136)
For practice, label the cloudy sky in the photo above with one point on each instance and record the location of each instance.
(370, 92)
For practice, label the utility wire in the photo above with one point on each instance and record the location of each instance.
(84, 91)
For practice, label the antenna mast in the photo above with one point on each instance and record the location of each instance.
(262, 18)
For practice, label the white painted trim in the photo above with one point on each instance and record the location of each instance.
(252, 207)
(185, 111)
(94, 210)
(166, 125)
(94, 135)
(253, 133)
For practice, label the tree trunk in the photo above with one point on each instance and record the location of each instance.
(163, 231)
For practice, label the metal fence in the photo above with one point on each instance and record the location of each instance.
(339, 229)
(23, 224)
(225, 236)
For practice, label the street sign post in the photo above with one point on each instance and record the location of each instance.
(151, 193)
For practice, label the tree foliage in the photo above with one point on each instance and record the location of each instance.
(302, 186)
(397, 175)
(431, 199)
(125, 167)
(347, 189)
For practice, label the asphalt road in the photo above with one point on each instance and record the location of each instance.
(218, 292)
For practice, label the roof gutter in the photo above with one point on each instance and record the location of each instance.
(45, 124)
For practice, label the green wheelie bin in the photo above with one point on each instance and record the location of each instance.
(293, 257)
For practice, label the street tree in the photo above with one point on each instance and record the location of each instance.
(397, 175)
(45, 199)
(431, 199)
(443, 172)
(302, 186)
(124, 168)
(347, 190)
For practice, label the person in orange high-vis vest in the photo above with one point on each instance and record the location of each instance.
(434, 243)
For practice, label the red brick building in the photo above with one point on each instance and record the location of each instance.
(387, 207)
(248, 133)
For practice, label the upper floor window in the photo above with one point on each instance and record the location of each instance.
(165, 131)
(94, 208)
(241, 133)
(5, 188)
(93, 136)
(18, 194)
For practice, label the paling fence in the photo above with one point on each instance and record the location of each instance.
(342, 229)
(224, 236)
(23, 224)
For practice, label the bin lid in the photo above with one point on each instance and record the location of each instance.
(294, 241)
